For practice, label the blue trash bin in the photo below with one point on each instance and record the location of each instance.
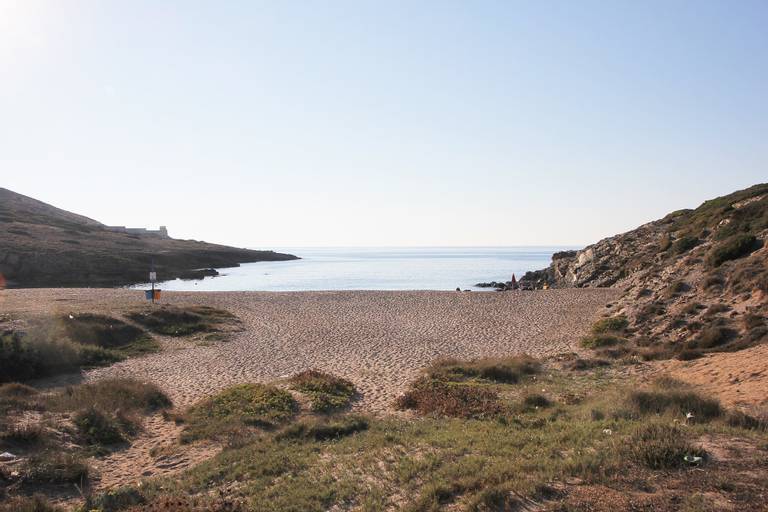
(148, 294)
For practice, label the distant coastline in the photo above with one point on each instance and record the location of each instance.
(374, 268)
(43, 246)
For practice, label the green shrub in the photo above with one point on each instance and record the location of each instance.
(111, 395)
(676, 288)
(509, 370)
(601, 340)
(117, 499)
(684, 244)
(713, 281)
(535, 400)
(581, 364)
(326, 392)
(175, 321)
(497, 497)
(677, 402)
(38, 354)
(15, 396)
(174, 503)
(432, 397)
(732, 248)
(237, 407)
(611, 324)
(661, 447)
(108, 333)
(712, 337)
(92, 357)
(656, 352)
(55, 467)
(752, 321)
(689, 354)
(324, 430)
(741, 419)
(97, 427)
(649, 311)
(28, 435)
(692, 308)
(716, 309)
(27, 504)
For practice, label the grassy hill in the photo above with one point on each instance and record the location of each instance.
(695, 281)
(44, 246)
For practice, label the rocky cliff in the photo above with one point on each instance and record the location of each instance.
(694, 281)
(44, 246)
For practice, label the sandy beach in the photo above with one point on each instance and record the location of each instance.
(377, 339)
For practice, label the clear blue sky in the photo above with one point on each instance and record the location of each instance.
(382, 123)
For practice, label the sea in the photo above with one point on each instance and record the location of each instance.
(374, 268)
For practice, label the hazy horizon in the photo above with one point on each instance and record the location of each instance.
(365, 124)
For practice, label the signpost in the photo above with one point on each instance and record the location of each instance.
(152, 279)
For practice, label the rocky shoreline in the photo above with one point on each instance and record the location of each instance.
(44, 246)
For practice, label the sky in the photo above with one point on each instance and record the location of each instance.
(388, 123)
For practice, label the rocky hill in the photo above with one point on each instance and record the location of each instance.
(44, 246)
(695, 281)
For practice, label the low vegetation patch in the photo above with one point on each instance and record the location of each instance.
(55, 467)
(436, 398)
(109, 412)
(732, 248)
(68, 344)
(15, 396)
(607, 332)
(51, 434)
(108, 333)
(27, 504)
(324, 429)
(596, 341)
(712, 337)
(509, 370)
(535, 401)
(111, 395)
(327, 392)
(675, 289)
(673, 397)
(661, 446)
(684, 244)
(564, 427)
(581, 364)
(467, 389)
(236, 408)
(96, 427)
(177, 321)
(34, 355)
(612, 324)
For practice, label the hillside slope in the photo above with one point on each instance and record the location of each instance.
(44, 246)
(695, 281)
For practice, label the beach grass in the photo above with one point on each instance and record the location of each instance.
(553, 426)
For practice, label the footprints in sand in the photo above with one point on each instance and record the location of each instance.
(155, 453)
(379, 340)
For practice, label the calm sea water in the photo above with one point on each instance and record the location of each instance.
(440, 268)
